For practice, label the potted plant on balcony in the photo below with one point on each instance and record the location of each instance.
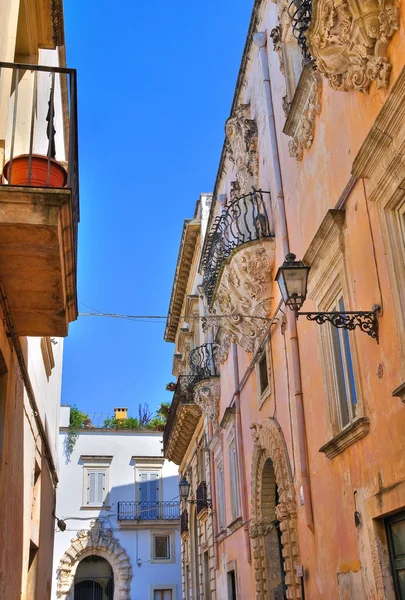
(37, 176)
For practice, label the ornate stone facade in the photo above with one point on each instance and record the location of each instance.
(349, 41)
(100, 542)
(269, 444)
(241, 135)
(206, 396)
(275, 35)
(245, 290)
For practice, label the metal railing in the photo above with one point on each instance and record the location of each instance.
(183, 395)
(184, 522)
(201, 496)
(301, 14)
(244, 220)
(202, 362)
(148, 511)
(38, 119)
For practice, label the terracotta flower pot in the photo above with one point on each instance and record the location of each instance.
(39, 172)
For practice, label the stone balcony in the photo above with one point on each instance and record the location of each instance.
(39, 203)
(194, 394)
(237, 266)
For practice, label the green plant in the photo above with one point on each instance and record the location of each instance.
(77, 418)
(128, 423)
(163, 411)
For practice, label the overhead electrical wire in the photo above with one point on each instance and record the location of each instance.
(163, 318)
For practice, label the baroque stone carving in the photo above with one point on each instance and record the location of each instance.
(244, 294)
(223, 347)
(100, 542)
(269, 443)
(275, 35)
(241, 135)
(207, 397)
(300, 124)
(349, 40)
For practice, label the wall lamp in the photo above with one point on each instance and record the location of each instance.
(184, 488)
(61, 524)
(292, 279)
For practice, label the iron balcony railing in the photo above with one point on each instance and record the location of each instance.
(184, 522)
(148, 511)
(244, 220)
(38, 120)
(183, 394)
(202, 362)
(301, 15)
(201, 497)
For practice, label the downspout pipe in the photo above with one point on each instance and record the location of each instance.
(214, 497)
(260, 40)
(241, 454)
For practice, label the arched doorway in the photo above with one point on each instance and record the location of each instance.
(274, 516)
(100, 542)
(94, 579)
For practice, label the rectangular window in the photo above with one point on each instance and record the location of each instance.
(343, 368)
(395, 527)
(96, 487)
(161, 547)
(220, 497)
(207, 592)
(187, 582)
(231, 585)
(234, 480)
(162, 595)
(201, 463)
(263, 374)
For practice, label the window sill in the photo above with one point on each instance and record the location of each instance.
(235, 525)
(221, 535)
(95, 507)
(348, 436)
(265, 396)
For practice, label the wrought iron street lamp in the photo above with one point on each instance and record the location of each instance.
(292, 278)
(184, 488)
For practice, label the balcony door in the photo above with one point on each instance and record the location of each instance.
(149, 495)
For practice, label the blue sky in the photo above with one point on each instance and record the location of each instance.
(155, 84)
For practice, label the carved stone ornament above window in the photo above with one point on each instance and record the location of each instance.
(206, 396)
(349, 39)
(300, 123)
(241, 135)
(244, 293)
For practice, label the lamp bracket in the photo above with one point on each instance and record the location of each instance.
(367, 321)
(203, 503)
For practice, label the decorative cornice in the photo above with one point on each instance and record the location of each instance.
(381, 154)
(188, 243)
(349, 41)
(328, 231)
(304, 108)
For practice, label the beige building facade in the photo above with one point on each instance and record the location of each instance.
(301, 421)
(38, 245)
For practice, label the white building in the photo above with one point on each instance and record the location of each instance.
(119, 499)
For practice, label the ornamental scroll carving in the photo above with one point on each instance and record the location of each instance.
(349, 40)
(207, 397)
(241, 135)
(244, 295)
